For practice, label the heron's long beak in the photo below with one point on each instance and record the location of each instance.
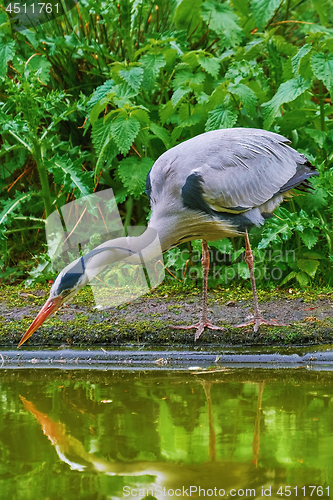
(50, 306)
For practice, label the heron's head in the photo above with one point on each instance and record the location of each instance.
(65, 286)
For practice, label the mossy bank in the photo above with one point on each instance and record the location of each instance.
(147, 320)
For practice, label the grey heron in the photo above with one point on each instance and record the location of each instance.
(215, 185)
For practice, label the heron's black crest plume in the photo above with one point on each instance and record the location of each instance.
(70, 279)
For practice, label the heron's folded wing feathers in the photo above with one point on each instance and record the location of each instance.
(247, 172)
(230, 170)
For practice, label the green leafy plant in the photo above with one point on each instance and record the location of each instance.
(90, 100)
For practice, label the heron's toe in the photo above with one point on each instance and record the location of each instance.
(199, 327)
(256, 322)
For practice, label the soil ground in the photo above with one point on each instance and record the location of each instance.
(147, 320)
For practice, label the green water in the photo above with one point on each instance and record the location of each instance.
(113, 434)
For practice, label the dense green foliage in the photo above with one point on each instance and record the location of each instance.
(90, 100)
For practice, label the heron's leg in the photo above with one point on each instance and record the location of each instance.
(257, 317)
(249, 262)
(205, 261)
(204, 322)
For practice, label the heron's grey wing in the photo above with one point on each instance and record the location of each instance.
(240, 169)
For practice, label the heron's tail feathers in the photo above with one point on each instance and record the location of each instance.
(300, 179)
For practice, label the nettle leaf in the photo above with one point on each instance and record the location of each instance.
(210, 64)
(178, 94)
(104, 145)
(254, 44)
(202, 97)
(100, 93)
(184, 112)
(133, 172)
(190, 60)
(308, 237)
(238, 70)
(181, 78)
(185, 66)
(217, 97)
(297, 59)
(186, 78)
(322, 67)
(263, 11)
(221, 117)
(151, 63)
(101, 133)
(221, 19)
(124, 130)
(123, 94)
(7, 52)
(246, 95)
(166, 112)
(288, 91)
(141, 115)
(161, 132)
(190, 121)
(318, 136)
(132, 76)
(96, 111)
(149, 80)
(309, 266)
(283, 47)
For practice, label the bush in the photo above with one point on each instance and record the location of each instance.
(91, 99)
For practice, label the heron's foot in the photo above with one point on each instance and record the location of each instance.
(261, 321)
(199, 327)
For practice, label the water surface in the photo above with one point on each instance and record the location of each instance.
(89, 434)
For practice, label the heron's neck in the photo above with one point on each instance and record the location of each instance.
(132, 249)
